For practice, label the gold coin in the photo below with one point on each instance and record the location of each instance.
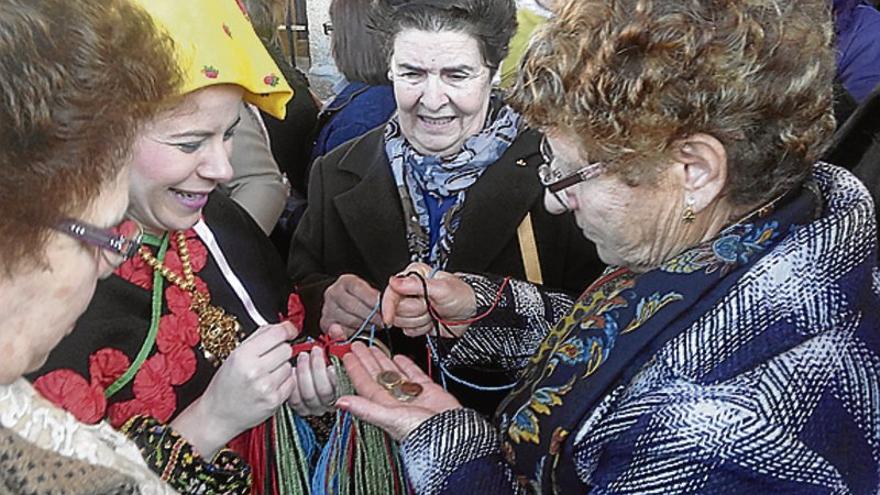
(389, 379)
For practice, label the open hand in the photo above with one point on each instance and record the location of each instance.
(375, 404)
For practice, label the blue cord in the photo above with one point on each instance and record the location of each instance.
(482, 388)
(461, 381)
(367, 322)
(372, 334)
(446, 373)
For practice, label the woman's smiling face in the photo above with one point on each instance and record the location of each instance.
(181, 157)
(442, 87)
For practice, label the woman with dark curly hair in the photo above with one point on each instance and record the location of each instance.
(734, 344)
(450, 181)
(78, 79)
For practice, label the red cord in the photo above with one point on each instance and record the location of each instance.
(430, 362)
(477, 318)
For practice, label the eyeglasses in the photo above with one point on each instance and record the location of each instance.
(555, 181)
(117, 243)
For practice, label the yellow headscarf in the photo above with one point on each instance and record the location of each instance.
(216, 44)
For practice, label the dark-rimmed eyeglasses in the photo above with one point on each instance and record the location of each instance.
(554, 181)
(118, 243)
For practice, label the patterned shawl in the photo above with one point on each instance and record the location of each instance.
(444, 178)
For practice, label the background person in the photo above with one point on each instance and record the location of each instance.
(530, 14)
(257, 184)
(857, 29)
(365, 99)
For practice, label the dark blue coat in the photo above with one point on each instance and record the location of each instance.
(357, 109)
(857, 25)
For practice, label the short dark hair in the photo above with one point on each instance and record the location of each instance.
(491, 22)
(358, 51)
(77, 78)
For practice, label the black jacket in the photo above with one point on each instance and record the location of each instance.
(354, 224)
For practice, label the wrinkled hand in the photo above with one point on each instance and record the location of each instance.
(348, 302)
(314, 391)
(247, 388)
(403, 303)
(375, 404)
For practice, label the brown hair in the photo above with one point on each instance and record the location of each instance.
(491, 22)
(632, 77)
(358, 51)
(77, 78)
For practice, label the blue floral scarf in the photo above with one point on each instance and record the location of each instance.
(614, 327)
(417, 175)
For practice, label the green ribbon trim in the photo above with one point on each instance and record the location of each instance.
(147, 347)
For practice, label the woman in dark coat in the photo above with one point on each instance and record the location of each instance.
(450, 181)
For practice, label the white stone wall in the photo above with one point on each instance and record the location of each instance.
(322, 71)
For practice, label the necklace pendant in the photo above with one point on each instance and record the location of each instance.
(220, 333)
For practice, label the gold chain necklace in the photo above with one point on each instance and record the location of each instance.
(220, 332)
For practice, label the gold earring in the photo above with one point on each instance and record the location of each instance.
(688, 215)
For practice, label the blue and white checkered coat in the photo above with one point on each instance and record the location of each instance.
(775, 389)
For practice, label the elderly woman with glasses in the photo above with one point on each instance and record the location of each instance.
(78, 79)
(734, 344)
(450, 181)
(185, 346)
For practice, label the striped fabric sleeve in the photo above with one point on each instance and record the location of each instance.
(453, 451)
(511, 333)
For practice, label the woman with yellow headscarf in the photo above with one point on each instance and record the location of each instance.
(185, 347)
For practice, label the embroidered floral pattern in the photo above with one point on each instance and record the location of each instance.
(732, 247)
(243, 8)
(106, 365)
(173, 363)
(648, 306)
(525, 425)
(137, 272)
(181, 466)
(581, 340)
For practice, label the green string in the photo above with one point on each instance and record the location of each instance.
(375, 465)
(147, 346)
(292, 464)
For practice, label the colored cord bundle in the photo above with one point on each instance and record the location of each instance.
(359, 458)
